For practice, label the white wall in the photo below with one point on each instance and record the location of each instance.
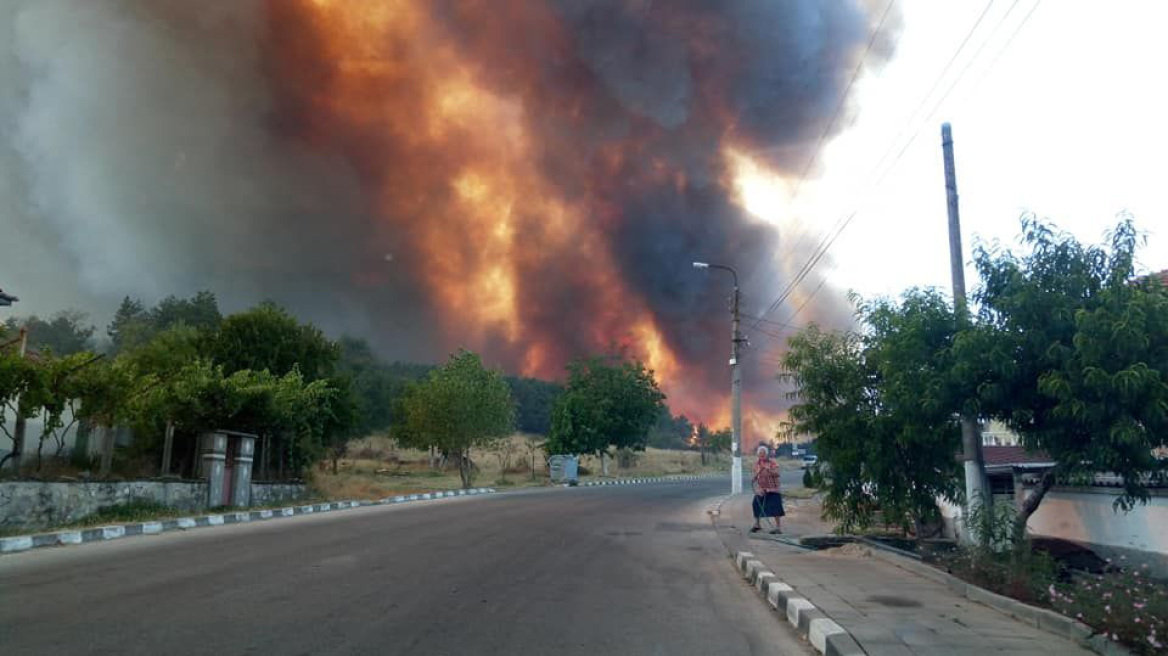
(1086, 515)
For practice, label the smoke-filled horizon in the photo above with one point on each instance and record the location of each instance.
(528, 178)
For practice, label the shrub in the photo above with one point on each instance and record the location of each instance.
(1125, 605)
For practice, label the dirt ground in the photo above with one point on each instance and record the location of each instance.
(376, 467)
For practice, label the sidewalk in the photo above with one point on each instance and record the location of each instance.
(889, 611)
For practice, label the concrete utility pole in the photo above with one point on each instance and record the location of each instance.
(975, 487)
(19, 429)
(735, 383)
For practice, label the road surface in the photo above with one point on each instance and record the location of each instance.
(607, 570)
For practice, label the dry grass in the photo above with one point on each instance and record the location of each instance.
(376, 467)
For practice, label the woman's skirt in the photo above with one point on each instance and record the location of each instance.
(770, 505)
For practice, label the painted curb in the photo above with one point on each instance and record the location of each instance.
(824, 633)
(1040, 618)
(641, 481)
(20, 543)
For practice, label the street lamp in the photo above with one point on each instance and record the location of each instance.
(735, 383)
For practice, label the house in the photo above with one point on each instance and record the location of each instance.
(7, 299)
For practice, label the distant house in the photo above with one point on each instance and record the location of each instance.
(7, 299)
(1008, 467)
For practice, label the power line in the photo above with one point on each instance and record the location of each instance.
(835, 116)
(846, 220)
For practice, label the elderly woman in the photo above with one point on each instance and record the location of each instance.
(768, 502)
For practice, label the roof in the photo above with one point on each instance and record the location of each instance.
(1162, 276)
(7, 299)
(1004, 457)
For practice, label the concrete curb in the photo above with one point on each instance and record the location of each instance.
(1040, 618)
(828, 637)
(105, 533)
(654, 479)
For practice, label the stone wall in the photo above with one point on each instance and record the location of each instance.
(266, 494)
(33, 505)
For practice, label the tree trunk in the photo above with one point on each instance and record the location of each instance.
(107, 450)
(1031, 505)
(167, 449)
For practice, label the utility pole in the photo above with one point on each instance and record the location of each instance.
(975, 487)
(19, 429)
(735, 383)
(735, 397)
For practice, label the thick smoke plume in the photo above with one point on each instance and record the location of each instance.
(531, 178)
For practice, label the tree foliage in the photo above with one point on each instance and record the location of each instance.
(606, 403)
(134, 324)
(882, 407)
(65, 333)
(268, 338)
(1071, 351)
(461, 405)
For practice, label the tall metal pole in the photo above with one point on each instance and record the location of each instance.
(735, 398)
(975, 487)
(735, 383)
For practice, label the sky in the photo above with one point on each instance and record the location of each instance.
(1059, 115)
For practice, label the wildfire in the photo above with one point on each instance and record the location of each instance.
(542, 199)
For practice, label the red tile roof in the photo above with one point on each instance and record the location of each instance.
(1013, 455)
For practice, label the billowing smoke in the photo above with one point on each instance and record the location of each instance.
(531, 178)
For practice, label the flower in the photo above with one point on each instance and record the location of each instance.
(1107, 608)
(1137, 619)
(1138, 606)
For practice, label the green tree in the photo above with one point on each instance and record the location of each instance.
(606, 403)
(65, 333)
(461, 406)
(882, 406)
(670, 432)
(1071, 351)
(17, 376)
(133, 324)
(534, 399)
(267, 337)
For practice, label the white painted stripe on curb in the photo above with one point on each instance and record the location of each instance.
(762, 578)
(112, 532)
(12, 545)
(821, 628)
(773, 591)
(69, 537)
(795, 606)
(215, 520)
(266, 514)
(306, 509)
(186, 522)
(242, 517)
(287, 512)
(151, 528)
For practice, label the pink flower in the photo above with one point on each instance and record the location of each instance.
(1138, 606)
(1107, 608)
(1114, 637)
(1137, 620)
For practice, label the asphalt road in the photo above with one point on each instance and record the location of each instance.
(611, 570)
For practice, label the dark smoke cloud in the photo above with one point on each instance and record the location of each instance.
(163, 146)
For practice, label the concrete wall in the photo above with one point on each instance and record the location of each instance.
(32, 505)
(265, 494)
(1086, 515)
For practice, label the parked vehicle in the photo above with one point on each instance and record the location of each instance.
(809, 461)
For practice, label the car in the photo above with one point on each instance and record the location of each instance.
(809, 461)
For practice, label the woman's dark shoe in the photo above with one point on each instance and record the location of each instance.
(755, 529)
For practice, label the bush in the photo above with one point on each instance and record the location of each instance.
(1125, 605)
(135, 510)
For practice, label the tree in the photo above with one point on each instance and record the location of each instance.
(134, 325)
(534, 399)
(65, 333)
(670, 432)
(268, 338)
(460, 406)
(1071, 352)
(17, 376)
(882, 406)
(607, 403)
